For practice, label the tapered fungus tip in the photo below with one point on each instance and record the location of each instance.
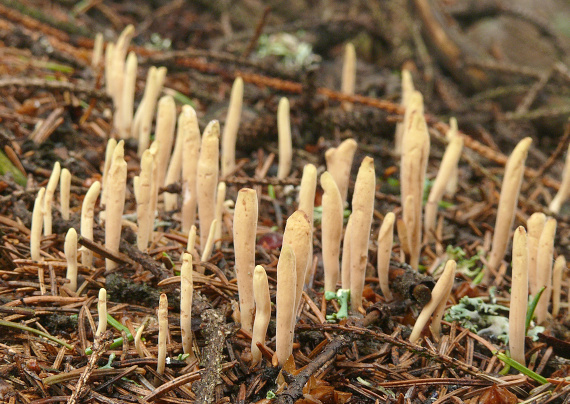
(119, 151)
(212, 129)
(283, 103)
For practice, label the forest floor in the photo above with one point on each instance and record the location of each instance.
(53, 107)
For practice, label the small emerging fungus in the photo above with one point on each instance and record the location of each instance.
(229, 136)
(97, 50)
(297, 235)
(451, 186)
(162, 333)
(385, 241)
(362, 211)
(109, 53)
(262, 311)
(510, 189)
(559, 266)
(116, 184)
(245, 227)
(111, 144)
(331, 230)
(37, 224)
(64, 193)
(438, 294)
(128, 96)
(70, 248)
(519, 296)
(544, 268)
(285, 304)
(87, 220)
(186, 290)
(564, 190)
(209, 246)
(188, 124)
(143, 121)
(191, 245)
(339, 164)
(102, 311)
(348, 74)
(284, 135)
(48, 198)
(207, 178)
(535, 225)
(307, 192)
(174, 170)
(446, 169)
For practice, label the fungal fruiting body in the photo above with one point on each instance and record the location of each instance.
(297, 235)
(307, 205)
(339, 164)
(535, 225)
(48, 197)
(510, 189)
(188, 127)
(186, 290)
(446, 169)
(162, 333)
(165, 124)
(362, 211)
(88, 219)
(348, 74)
(70, 248)
(564, 190)
(262, 311)
(37, 224)
(208, 169)
(451, 186)
(111, 144)
(174, 172)
(345, 262)
(229, 136)
(519, 295)
(544, 268)
(116, 184)
(284, 135)
(143, 197)
(385, 241)
(331, 230)
(438, 294)
(64, 193)
(559, 266)
(128, 96)
(245, 227)
(102, 311)
(407, 90)
(218, 213)
(285, 302)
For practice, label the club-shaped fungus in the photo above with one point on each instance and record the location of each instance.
(285, 304)
(519, 295)
(88, 219)
(116, 184)
(339, 163)
(284, 135)
(331, 230)
(229, 135)
(544, 268)
(262, 311)
(385, 241)
(207, 179)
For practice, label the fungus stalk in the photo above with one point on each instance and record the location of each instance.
(165, 123)
(535, 225)
(544, 268)
(339, 164)
(245, 227)
(48, 198)
(446, 169)
(345, 263)
(64, 193)
(153, 186)
(307, 204)
(117, 184)
(284, 135)
(143, 197)
(111, 144)
(229, 136)
(186, 290)
(451, 186)
(262, 311)
(407, 91)
(348, 74)
(385, 241)
(174, 171)
(109, 54)
(188, 125)
(331, 230)
(37, 224)
(162, 333)
(207, 178)
(218, 214)
(285, 303)
(87, 220)
(559, 266)
(297, 235)
(439, 292)
(143, 125)
(70, 249)
(564, 190)
(128, 96)
(519, 296)
(510, 189)
(102, 311)
(362, 211)
(97, 50)
(209, 246)
(415, 153)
